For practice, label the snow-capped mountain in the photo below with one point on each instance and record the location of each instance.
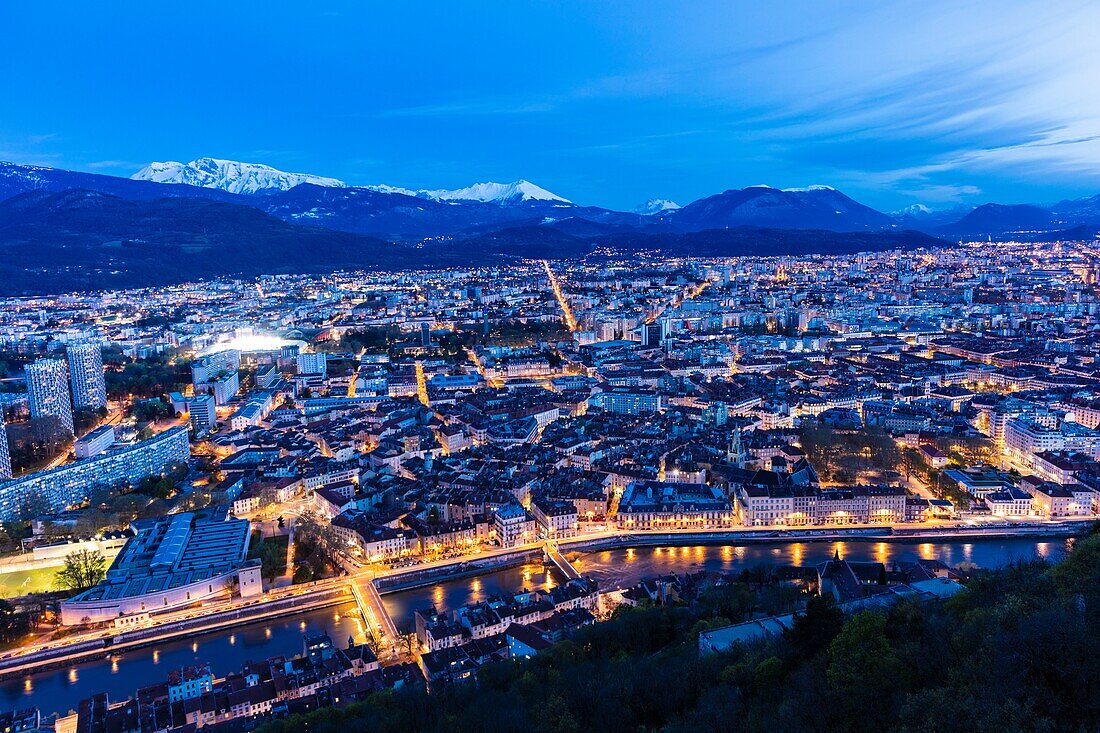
(229, 175)
(500, 193)
(926, 218)
(487, 193)
(915, 210)
(386, 188)
(656, 206)
(807, 189)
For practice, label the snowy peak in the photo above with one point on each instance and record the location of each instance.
(247, 178)
(656, 206)
(807, 189)
(386, 188)
(229, 175)
(500, 193)
(914, 210)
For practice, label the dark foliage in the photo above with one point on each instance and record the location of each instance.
(1019, 650)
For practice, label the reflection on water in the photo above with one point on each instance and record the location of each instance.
(122, 674)
(61, 690)
(623, 568)
(451, 594)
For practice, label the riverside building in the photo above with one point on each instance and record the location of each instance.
(171, 562)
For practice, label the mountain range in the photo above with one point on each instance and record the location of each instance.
(236, 177)
(229, 175)
(64, 229)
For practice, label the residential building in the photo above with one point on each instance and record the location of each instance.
(224, 387)
(628, 400)
(95, 442)
(1009, 502)
(556, 519)
(204, 414)
(5, 451)
(514, 526)
(314, 363)
(48, 390)
(86, 373)
(66, 485)
(664, 505)
(210, 366)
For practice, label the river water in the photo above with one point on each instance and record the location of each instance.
(59, 691)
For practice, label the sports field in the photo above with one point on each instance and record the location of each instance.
(22, 582)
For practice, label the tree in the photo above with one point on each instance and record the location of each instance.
(152, 410)
(816, 628)
(303, 574)
(83, 569)
(865, 674)
(31, 506)
(177, 470)
(158, 487)
(273, 559)
(11, 624)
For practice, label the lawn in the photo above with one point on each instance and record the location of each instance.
(22, 582)
(272, 550)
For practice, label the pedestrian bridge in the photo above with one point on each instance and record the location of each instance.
(564, 566)
(379, 624)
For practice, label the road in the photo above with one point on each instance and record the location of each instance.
(485, 374)
(567, 311)
(421, 384)
(689, 293)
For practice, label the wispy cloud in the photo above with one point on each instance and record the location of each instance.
(98, 165)
(1005, 101)
(487, 108)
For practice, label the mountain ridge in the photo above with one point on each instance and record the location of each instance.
(77, 239)
(760, 219)
(231, 176)
(398, 213)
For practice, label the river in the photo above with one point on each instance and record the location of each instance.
(61, 690)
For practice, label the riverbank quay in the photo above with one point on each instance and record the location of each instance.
(402, 579)
(598, 543)
(41, 660)
(337, 590)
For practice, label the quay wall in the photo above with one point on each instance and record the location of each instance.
(93, 649)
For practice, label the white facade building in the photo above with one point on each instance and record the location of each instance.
(86, 373)
(95, 442)
(48, 391)
(67, 485)
(204, 414)
(312, 364)
(5, 454)
(514, 526)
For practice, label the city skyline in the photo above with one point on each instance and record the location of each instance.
(454, 467)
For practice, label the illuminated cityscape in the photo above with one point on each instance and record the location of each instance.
(342, 424)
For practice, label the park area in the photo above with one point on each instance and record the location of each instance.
(23, 582)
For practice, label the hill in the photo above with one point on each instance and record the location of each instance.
(77, 239)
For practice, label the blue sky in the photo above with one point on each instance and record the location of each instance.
(607, 103)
